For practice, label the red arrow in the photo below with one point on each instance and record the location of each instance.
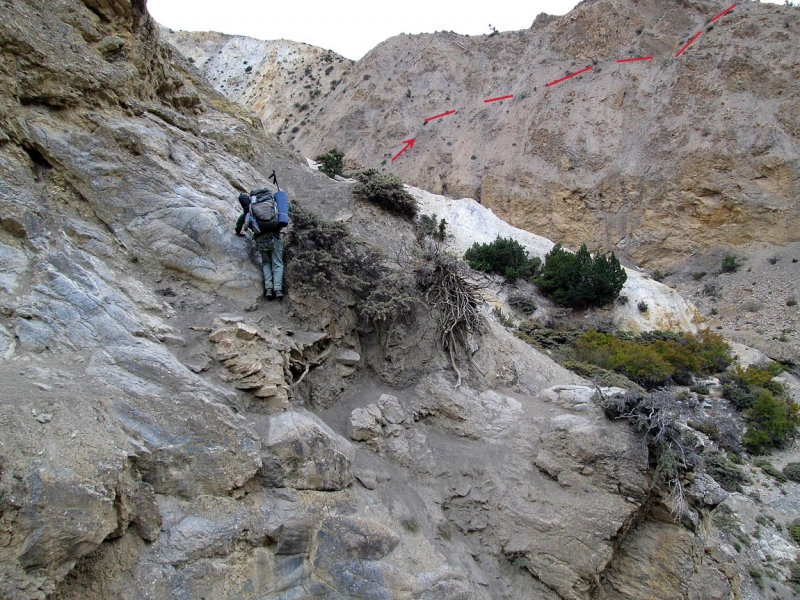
(499, 98)
(449, 112)
(624, 60)
(589, 68)
(689, 43)
(724, 12)
(408, 145)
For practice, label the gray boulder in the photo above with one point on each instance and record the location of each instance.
(300, 451)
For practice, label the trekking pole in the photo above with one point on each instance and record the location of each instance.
(275, 179)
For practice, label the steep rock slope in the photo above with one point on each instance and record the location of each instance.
(660, 159)
(159, 437)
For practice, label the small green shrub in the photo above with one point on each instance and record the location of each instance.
(522, 303)
(792, 471)
(580, 280)
(794, 530)
(741, 397)
(501, 255)
(332, 162)
(728, 475)
(430, 226)
(698, 275)
(712, 290)
(794, 576)
(791, 302)
(771, 422)
(705, 427)
(730, 264)
(410, 525)
(770, 470)
(502, 318)
(386, 191)
(659, 275)
(757, 576)
(700, 390)
(445, 530)
(642, 306)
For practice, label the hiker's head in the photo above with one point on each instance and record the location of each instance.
(244, 200)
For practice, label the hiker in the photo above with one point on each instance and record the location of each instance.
(266, 214)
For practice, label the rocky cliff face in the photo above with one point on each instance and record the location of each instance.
(658, 159)
(159, 435)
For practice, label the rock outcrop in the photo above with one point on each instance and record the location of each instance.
(163, 434)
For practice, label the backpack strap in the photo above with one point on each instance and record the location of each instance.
(251, 221)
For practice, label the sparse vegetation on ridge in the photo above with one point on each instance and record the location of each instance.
(323, 256)
(386, 191)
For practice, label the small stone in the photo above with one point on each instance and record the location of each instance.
(266, 391)
(368, 479)
(199, 363)
(42, 386)
(230, 319)
(463, 488)
(172, 340)
(391, 409)
(245, 331)
(250, 383)
(218, 335)
(110, 44)
(44, 418)
(364, 425)
(344, 371)
(348, 357)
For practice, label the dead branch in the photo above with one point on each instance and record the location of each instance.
(453, 361)
(455, 301)
(314, 362)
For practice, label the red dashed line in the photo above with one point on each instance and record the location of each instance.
(624, 60)
(689, 43)
(444, 114)
(589, 68)
(724, 12)
(408, 144)
(498, 98)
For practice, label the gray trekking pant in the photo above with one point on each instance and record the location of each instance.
(272, 264)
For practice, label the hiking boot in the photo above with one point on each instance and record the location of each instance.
(269, 294)
(279, 295)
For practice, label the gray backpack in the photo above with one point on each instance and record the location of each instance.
(263, 213)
